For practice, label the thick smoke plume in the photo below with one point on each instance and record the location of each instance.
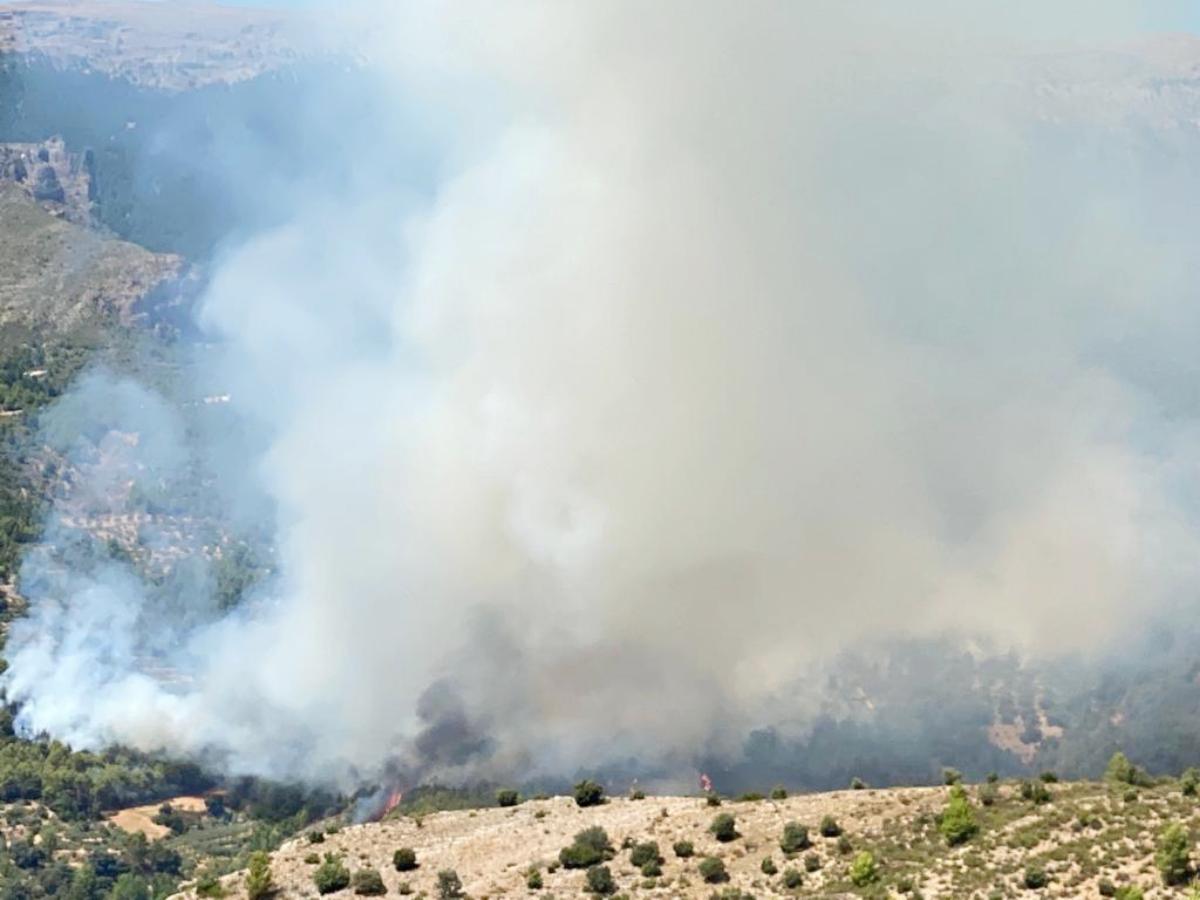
(716, 340)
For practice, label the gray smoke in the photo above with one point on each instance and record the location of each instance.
(720, 339)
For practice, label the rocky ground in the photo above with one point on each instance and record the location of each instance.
(1087, 838)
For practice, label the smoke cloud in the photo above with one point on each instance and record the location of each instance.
(715, 342)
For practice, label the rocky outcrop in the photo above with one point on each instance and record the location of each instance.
(59, 180)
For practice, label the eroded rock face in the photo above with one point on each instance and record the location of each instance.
(58, 179)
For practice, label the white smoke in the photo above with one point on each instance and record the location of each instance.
(725, 337)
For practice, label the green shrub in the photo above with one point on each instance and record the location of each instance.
(588, 793)
(712, 870)
(312, 859)
(259, 883)
(652, 868)
(1106, 888)
(643, 853)
(1049, 777)
(1035, 791)
(863, 870)
(316, 837)
(958, 819)
(207, 885)
(637, 794)
(829, 827)
(368, 883)
(724, 828)
(992, 778)
(590, 847)
(712, 798)
(600, 881)
(812, 862)
(507, 797)
(988, 793)
(951, 776)
(1035, 878)
(533, 880)
(1129, 892)
(844, 846)
(751, 797)
(683, 849)
(792, 879)
(331, 875)
(768, 866)
(1121, 771)
(795, 838)
(779, 792)
(857, 784)
(1189, 781)
(449, 885)
(1172, 858)
(405, 859)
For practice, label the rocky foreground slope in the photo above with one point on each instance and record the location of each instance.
(1033, 839)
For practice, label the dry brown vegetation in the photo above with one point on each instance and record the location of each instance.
(1087, 834)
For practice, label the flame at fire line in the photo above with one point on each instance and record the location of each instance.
(374, 807)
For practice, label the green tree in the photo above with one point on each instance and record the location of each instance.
(958, 823)
(1173, 856)
(259, 883)
(129, 887)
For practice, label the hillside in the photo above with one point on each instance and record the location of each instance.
(1088, 838)
(55, 273)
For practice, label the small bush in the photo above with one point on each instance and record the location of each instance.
(368, 883)
(316, 837)
(312, 859)
(683, 849)
(1106, 888)
(449, 885)
(1121, 771)
(992, 778)
(863, 870)
(259, 883)
(830, 828)
(724, 828)
(988, 793)
(712, 870)
(857, 784)
(590, 847)
(507, 797)
(958, 820)
(588, 793)
(1189, 782)
(652, 869)
(751, 797)
(768, 866)
(405, 859)
(637, 794)
(1049, 778)
(331, 875)
(1129, 892)
(1035, 878)
(844, 847)
(795, 838)
(600, 881)
(779, 792)
(533, 880)
(1172, 858)
(712, 798)
(951, 776)
(1035, 791)
(812, 862)
(792, 879)
(643, 853)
